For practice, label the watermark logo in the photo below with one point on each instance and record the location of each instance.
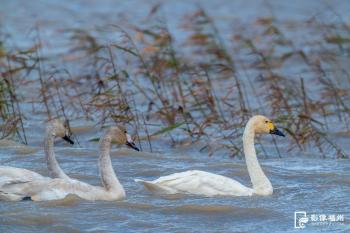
(301, 219)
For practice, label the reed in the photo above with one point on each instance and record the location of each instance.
(201, 89)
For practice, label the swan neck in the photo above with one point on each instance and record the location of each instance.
(108, 176)
(261, 183)
(54, 168)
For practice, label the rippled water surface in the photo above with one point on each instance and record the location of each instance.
(311, 184)
(301, 183)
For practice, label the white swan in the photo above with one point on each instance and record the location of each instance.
(43, 189)
(10, 175)
(208, 184)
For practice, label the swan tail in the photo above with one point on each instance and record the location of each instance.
(139, 181)
(155, 188)
(4, 196)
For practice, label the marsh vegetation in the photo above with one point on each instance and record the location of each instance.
(201, 87)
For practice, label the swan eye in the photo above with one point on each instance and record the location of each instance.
(266, 122)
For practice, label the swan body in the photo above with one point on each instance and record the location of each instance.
(197, 183)
(44, 189)
(40, 188)
(208, 184)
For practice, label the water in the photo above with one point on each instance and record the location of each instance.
(301, 183)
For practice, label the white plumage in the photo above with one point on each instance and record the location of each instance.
(197, 183)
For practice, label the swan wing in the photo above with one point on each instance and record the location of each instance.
(197, 183)
(58, 188)
(17, 184)
(52, 189)
(10, 175)
(44, 189)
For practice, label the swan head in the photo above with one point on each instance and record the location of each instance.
(120, 136)
(60, 129)
(263, 125)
